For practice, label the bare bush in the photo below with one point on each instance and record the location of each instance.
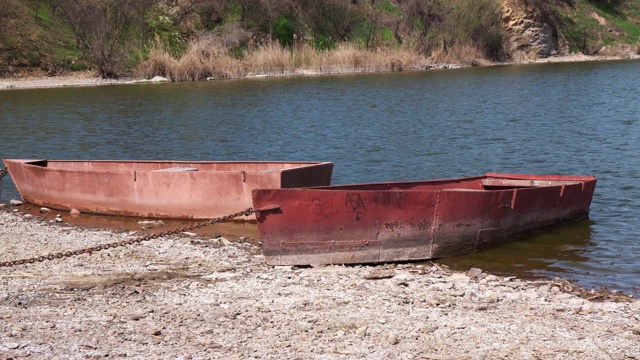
(331, 21)
(476, 24)
(227, 36)
(103, 30)
(9, 10)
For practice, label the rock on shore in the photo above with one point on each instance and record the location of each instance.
(198, 298)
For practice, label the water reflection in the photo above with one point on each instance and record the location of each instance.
(551, 253)
(233, 230)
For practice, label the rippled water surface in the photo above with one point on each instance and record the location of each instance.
(581, 118)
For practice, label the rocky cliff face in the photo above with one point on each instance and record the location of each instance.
(531, 30)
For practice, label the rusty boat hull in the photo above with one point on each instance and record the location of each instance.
(157, 189)
(402, 221)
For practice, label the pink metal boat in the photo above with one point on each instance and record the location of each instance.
(399, 221)
(158, 189)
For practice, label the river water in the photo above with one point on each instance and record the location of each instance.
(575, 118)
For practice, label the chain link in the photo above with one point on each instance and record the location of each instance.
(89, 250)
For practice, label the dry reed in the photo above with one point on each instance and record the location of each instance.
(347, 57)
(159, 63)
(207, 59)
(459, 53)
(269, 59)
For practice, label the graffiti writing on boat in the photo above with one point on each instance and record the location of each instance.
(390, 199)
(354, 203)
(321, 208)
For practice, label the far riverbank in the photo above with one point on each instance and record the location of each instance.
(90, 78)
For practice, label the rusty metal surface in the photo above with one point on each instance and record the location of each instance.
(157, 189)
(383, 222)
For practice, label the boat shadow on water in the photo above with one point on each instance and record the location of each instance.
(555, 252)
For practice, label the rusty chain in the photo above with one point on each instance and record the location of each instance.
(138, 240)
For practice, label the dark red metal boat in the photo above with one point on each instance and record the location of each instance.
(399, 221)
(158, 189)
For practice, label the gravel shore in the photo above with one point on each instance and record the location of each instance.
(73, 80)
(200, 297)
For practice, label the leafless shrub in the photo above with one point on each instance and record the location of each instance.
(9, 11)
(331, 21)
(103, 29)
(227, 36)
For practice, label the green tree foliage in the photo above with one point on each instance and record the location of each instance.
(284, 29)
(161, 20)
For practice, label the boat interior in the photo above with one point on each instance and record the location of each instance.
(481, 183)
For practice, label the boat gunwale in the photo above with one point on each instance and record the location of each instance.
(28, 163)
(563, 180)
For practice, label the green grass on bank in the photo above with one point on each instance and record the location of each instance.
(33, 39)
(590, 26)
